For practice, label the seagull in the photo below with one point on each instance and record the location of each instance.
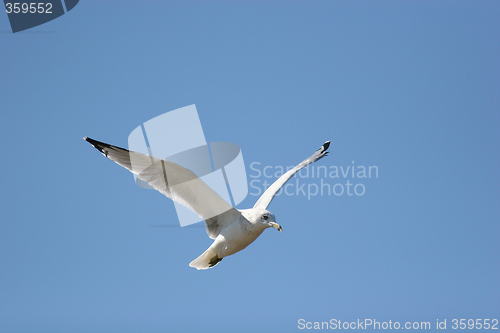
(233, 229)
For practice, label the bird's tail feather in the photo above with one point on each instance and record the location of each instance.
(208, 259)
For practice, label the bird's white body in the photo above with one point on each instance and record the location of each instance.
(238, 235)
(232, 229)
(235, 237)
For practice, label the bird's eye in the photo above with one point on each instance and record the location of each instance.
(265, 217)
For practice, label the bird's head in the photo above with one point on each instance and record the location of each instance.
(267, 218)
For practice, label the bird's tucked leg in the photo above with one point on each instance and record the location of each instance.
(214, 261)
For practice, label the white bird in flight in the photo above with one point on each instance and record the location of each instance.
(233, 229)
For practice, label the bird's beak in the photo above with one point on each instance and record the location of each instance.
(276, 226)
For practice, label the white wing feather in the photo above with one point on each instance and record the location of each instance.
(176, 183)
(269, 194)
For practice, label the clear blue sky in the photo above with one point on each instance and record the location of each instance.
(410, 87)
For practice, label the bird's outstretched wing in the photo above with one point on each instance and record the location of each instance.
(175, 182)
(269, 194)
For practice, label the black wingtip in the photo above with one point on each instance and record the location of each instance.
(98, 145)
(91, 141)
(326, 145)
(103, 147)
